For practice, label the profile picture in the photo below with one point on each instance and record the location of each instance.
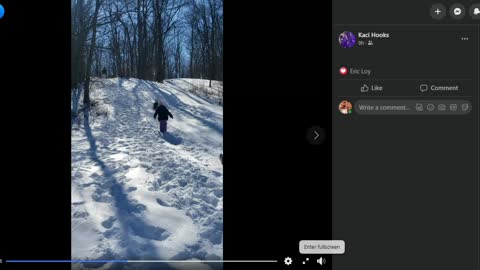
(347, 39)
(345, 107)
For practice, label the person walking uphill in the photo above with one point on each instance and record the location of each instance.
(162, 114)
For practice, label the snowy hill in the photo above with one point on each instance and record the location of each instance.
(139, 195)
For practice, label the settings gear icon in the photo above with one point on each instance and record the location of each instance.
(288, 261)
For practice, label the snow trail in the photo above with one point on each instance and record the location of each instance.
(139, 195)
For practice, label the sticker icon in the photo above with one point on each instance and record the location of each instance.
(430, 107)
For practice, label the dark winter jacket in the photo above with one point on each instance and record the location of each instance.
(162, 113)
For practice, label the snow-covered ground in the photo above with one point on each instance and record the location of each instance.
(201, 88)
(139, 195)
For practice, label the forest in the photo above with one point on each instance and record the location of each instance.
(145, 39)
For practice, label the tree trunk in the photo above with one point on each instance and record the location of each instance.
(86, 92)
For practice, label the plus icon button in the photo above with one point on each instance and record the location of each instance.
(438, 11)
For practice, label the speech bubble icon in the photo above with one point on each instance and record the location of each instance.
(423, 88)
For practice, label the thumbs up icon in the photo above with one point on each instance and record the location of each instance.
(364, 88)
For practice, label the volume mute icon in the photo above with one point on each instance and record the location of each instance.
(322, 261)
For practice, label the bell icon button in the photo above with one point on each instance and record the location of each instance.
(475, 11)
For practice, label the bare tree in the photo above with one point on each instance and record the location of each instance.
(205, 20)
(86, 91)
(147, 39)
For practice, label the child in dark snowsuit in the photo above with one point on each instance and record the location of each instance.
(162, 114)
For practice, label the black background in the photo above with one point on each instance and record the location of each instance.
(35, 82)
(277, 81)
(277, 85)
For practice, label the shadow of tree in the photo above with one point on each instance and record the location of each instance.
(126, 214)
(174, 101)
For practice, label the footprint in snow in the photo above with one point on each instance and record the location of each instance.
(111, 233)
(108, 224)
(162, 203)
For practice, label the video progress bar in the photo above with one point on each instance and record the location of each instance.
(141, 261)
